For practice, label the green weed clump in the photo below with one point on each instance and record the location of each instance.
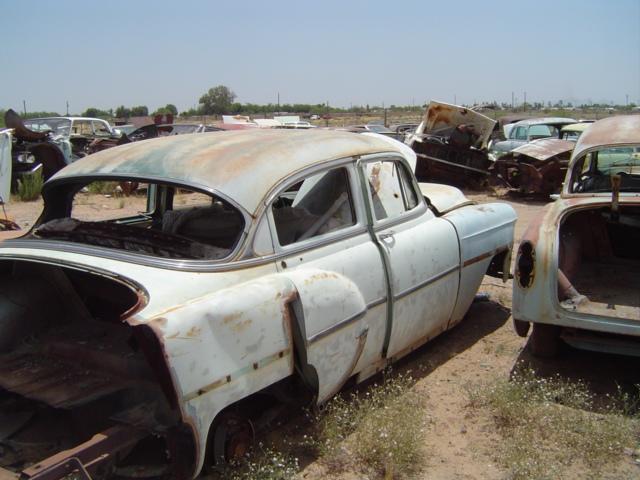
(381, 428)
(102, 188)
(263, 463)
(30, 186)
(549, 424)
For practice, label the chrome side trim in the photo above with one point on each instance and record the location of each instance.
(333, 328)
(426, 282)
(175, 264)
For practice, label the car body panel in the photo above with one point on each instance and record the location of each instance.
(287, 319)
(451, 143)
(562, 251)
(512, 142)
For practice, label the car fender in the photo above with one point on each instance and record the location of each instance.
(484, 231)
(225, 346)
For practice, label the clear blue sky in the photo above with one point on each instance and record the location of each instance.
(108, 53)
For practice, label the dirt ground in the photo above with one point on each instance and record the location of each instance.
(459, 442)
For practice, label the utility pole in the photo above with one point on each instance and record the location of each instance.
(455, 99)
(525, 102)
(326, 116)
(24, 107)
(67, 108)
(278, 101)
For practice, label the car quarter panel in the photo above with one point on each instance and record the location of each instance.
(228, 345)
(483, 231)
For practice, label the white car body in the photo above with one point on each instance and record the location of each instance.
(272, 317)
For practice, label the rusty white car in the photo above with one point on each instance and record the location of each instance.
(267, 269)
(577, 274)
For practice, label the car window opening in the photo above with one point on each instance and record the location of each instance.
(181, 223)
(318, 205)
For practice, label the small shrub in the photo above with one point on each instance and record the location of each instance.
(102, 188)
(30, 186)
(263, 463)
(550, 423)
(383, 427)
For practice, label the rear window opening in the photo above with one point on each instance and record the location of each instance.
(154, 219)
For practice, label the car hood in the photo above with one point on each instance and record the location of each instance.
(444, 198)
(440, 118)
(545, 148)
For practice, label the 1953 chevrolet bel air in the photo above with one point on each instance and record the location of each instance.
(269, 268)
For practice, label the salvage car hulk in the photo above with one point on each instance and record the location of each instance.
(269, 268)
(578, 265)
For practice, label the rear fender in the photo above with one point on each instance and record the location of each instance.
(226, 346)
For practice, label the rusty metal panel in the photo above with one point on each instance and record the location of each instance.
(612, 131)
(545, 148)
(86, 456)
(442, 116)
(54, 382)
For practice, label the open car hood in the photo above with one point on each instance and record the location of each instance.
(441, 118)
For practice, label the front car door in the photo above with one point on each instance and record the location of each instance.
(421, 252)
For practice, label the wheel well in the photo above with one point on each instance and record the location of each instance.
(500, 265)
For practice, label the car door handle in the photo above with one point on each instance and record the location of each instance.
(386, 235)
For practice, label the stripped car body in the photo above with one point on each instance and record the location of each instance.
(535, 167)
(49, 144)
(528, 130)
(451, 142)
(573, 131)
(315, 259)
(577, 271)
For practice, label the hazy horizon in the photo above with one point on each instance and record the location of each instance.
(344, 53)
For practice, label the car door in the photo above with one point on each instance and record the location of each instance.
(320, 235)
(421, 253)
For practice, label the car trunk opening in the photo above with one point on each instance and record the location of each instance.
(599, 262)
(75, 377)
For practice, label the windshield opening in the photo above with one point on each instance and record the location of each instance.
(154, 219)
(58, 126)
(592, 173)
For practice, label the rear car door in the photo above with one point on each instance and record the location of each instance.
(320, 235)
(421, 254)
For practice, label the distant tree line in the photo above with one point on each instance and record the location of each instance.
(220, 100)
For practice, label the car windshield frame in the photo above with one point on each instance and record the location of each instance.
(591, 173)
(56, 125)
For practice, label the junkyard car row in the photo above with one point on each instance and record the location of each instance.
(271, 267)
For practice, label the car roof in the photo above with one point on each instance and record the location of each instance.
(545, 120)
(611, 131)
(242, 165)
(576, 127)
(65, 118)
